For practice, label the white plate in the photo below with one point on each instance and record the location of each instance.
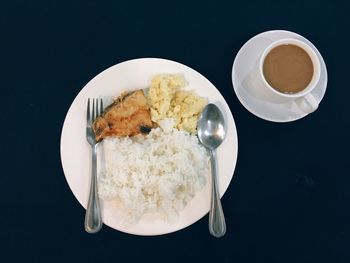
(75, 151)
(246, 86)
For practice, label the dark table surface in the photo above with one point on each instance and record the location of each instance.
(289, 200)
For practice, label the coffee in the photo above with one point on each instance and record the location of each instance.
(288, 68)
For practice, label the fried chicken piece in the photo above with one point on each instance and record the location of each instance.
(128, 115)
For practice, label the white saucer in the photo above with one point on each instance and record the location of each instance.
(246, 86)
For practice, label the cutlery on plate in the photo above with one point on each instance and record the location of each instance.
(211, 133)
(93, 218)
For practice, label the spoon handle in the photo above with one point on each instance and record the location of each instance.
(217, 225)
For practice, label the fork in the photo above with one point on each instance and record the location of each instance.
(93, 219)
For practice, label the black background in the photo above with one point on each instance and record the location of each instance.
(289, 200)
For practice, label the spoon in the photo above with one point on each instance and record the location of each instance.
(211, 133)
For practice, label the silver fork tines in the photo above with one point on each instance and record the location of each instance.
(93, 219)
(88, 113)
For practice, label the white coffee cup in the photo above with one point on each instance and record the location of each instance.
(304, 99)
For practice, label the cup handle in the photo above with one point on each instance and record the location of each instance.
(308, 103)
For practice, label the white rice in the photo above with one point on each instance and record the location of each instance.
(157, 173)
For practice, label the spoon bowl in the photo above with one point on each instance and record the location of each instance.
(211, 127)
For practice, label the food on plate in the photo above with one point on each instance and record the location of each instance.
(168, 99)
(154, 162)
(128, 115)
(156, 173)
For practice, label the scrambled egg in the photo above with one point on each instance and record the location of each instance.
(167, 100)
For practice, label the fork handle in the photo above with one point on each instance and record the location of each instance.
(93, 219)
